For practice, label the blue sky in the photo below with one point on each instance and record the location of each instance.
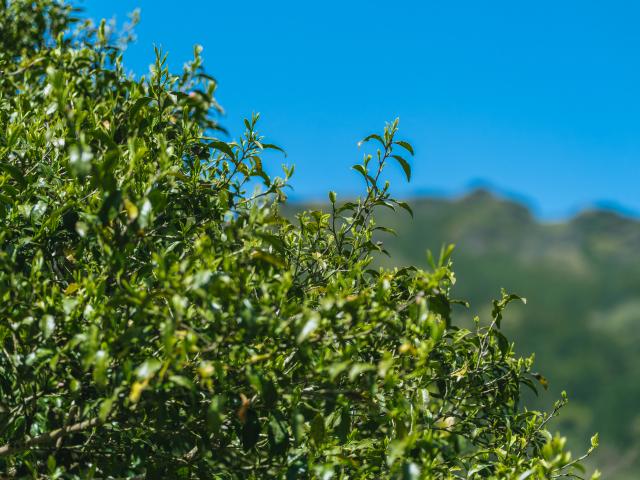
(537, 99)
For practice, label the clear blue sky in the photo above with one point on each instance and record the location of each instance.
(539, 99)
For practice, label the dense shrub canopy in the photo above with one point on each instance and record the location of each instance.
(160, 320)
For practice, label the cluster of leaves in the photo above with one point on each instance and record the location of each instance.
(157, 320)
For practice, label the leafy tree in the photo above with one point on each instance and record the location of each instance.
(158, 320)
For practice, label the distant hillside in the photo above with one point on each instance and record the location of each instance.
(582, 282)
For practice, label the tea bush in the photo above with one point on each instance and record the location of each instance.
(160, 318)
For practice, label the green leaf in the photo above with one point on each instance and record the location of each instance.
(80, 158)
(215, 417)
(359, 368)
(102, 136)
(223, 147)
(47, 325)
(406, 145)
(309, 327)
(267, 258)
(271, 146)
(373, 136)
(441, 305)
(51, 464)
(111, 207)
(360, 169)
(395, 451)
(38, 211)
(405, 166)
(405, 206)
(503, 344)
(138, 104)
(317, 430)
(386, 230)
(297, 426)
(6, 200)
(277, 435)
(181, 381)
(15, 173)
(148, 369)
(524, 475)
(71, 288)
(144, 213)
(276, 242)
(445, 254)
(105, 409)
(410, 471)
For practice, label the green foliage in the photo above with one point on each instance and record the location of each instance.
(159, 320)
(581, 278)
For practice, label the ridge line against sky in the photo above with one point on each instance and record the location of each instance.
(413, 197)
(539, 99)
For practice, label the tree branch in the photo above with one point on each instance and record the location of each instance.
(10, 449)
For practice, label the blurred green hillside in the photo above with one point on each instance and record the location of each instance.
(582, 318)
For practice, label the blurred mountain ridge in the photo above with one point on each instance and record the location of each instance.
(492, 221)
